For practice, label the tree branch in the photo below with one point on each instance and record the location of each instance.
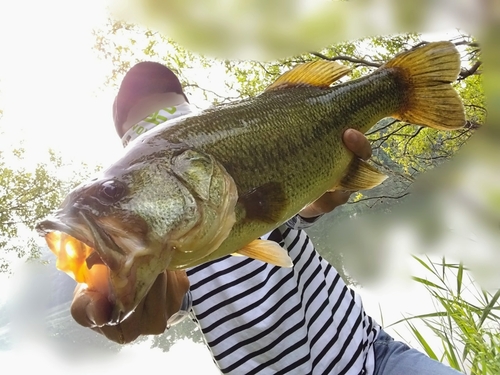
(411, 139)
(380, 197)
(472, 125)
(382, 128)
(466, 43)
(226, 98)
(347, 58)
(385, 137)
(464, 73)
(481, 108)
(264, 68)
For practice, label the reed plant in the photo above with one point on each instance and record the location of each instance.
(466, 321)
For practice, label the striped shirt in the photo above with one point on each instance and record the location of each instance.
(260, 319)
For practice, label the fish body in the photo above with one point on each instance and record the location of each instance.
(283, 149)
(209, 185)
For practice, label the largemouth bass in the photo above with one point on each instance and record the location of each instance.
(208, 185)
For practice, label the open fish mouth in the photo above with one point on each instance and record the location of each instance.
(86, 250)
(78, 252)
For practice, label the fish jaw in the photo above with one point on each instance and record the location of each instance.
(113, 262)
(76, 256)
(145, 257)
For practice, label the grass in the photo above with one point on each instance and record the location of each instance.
(467, 321)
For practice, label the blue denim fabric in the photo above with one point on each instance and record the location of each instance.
(396, 358)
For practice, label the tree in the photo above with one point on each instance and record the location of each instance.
(27, 194)
(400, 149)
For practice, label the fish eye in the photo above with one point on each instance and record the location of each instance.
(111, 191)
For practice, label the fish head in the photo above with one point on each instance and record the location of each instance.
(120, 230)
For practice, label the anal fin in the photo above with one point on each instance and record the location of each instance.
(360, 176)
(267, 251)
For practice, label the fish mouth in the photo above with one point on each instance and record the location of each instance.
(89, 254)
(75, 253)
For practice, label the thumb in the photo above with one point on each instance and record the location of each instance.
(90, 308)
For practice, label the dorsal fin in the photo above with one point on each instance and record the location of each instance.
(319, 73)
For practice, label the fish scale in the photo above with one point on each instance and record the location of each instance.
(301, 118)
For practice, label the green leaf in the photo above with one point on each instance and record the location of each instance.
(27, 194)
(427, 283)
(425, 345)
(489, 307)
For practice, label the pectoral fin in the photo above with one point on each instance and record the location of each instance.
(360, 176)
(266, 251)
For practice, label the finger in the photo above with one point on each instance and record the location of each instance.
(326, 203)
(154, 314)
(151, 316)
(147, 319)
(90, 308)
(177, 287)
(126, 331)
(357, 143)
(341, 196)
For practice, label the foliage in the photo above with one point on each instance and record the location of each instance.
(401, 150)
(467, 322)
(123, 44)
(187, 329)
(26, 196)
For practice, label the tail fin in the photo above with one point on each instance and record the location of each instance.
(429, 72)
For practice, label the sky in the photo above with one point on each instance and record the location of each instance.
(51, 81)
(51, 88)
(51, 95)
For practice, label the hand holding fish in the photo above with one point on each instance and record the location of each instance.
(356, 142)
(92, 309)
